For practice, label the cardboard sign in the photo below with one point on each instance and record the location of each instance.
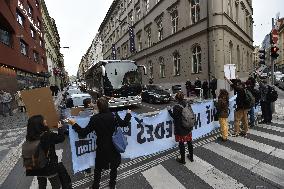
(40, 102)
(230, 71)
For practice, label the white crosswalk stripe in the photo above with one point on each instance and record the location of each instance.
(159, 178)
(34, 184)
(267, 171)
(259, 146)
(271, 127)
(211, 175)
(267, 136)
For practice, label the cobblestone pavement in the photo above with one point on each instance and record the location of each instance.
(18, 120)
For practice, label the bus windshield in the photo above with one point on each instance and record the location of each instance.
(121, 74)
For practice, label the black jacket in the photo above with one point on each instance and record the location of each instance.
(176, 115)
(241, 97)
(104, 125)
(47, 142)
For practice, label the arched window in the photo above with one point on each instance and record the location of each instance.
(237, 11)
(176, 59)
(230, 52)
(196, 59)
(229, 11)
(195, 11)
(238, 58)
(162, 67)
(174, 16)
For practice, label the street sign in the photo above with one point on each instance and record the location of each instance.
(274, 34)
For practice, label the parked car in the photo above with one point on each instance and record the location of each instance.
(280, 83)
(155, 94)
(78, 99)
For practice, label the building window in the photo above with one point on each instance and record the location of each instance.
(176, 59)
(147, 5)
(195, 11)
(5, 37)
(230, 53)
(33, 33)
(174, 16)
(38, 23)
(138, 13)
(160, 29)
(148, 36)
(42, 60)
(20, 18)
(36, 56)
(196, 59)
(237, 12)
(139, 41)
(162, 67)
(229, 11)
(36, 4)
(41, 42)
(24, 48)
(131, 18)
(30, 9)
(151, 69)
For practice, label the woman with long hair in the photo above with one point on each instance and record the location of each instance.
(182, 134)
(104, 124)
(37, 129)
(222, 106)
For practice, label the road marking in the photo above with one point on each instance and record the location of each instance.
(159, 178)
(211, 175)
(10, 130)
(4, 147)
(17, 133)
(268, 136)
(267, 171)
(34, 184)
(259, 146)
(274, 128)
(7, 140)
(8, 163)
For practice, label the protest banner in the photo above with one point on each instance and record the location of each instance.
(40, 102)
(230, 71)
(149, 134)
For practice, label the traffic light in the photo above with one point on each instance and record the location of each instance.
(274, 53)
(261, 56)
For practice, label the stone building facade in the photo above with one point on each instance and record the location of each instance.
(280, 44)
(181, 39)
(55, 59)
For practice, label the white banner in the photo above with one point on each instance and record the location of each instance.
(146, 135)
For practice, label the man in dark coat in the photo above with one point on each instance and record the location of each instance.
(266, 108)
(205, 89)
(188, 87)
(213, 87)
(197, 85)
(104, 124)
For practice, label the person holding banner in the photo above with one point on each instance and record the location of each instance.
(182, 134)
(104, 124)
(222, 106)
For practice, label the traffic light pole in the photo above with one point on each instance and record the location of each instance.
(272, 60)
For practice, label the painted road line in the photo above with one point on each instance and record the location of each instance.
(259, 146)
(270, 127)
(267, 136)
(17, 133)
(159, 178)
(5, 147)
(137, 169)
(7, 140)
(8, 163)
(211, 175)
(11, 130)
(34, 184)
(270, 173)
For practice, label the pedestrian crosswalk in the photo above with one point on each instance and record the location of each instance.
(241, 162)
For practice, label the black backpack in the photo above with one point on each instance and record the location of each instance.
(257, 95)
(187, 116)
(34, 157)
(272, 94)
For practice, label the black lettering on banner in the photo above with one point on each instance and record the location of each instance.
(169, 129)
(160, 127)
(150, 132)
(140, 140)
(85, 146)
(212, 115)
(208, 114)
(197, 120)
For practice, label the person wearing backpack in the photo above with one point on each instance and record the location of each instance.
(104, 124)
(244, 103)
(265, 103)
(222, 106)
(250, 86)
(182, 133)
(39, 156)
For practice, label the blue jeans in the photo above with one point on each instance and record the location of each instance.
(251, 116)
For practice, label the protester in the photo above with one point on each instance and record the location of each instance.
(242, 107)
(205, 89)
(56, 90)
(6, 100)
(104, 124)
(182, 134)
(197, 85)
(213, 87)
(88, 108)
(188, 87)
(37, 129)
(69, 102)
(264, 103)
(20, 102)
(250, 84)
(222, 106)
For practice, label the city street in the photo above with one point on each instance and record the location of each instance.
(252, 162)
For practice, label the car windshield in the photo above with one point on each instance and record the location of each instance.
(154, 87)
